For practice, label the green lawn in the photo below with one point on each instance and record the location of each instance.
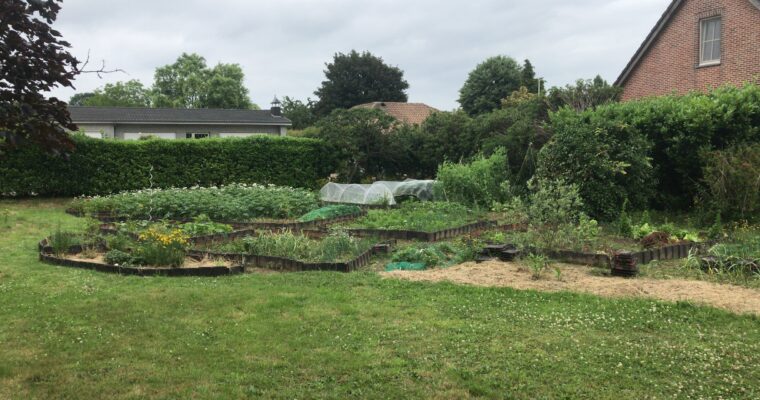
(74, 334)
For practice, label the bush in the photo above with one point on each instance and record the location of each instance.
(608, 161)
(429, 216)
(100, 167)
(678, 129)
(479, 183)
(732, 182)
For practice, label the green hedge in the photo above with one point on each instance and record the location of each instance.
(679, 130)
(108, 166)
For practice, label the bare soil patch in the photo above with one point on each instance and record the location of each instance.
(587, 280)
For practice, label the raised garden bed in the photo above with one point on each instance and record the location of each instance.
(400, 234)
(289, 251)
(670, 252)
(46, 254)
(273, 225)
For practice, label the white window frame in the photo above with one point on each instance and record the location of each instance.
(703, 26)
(197, 135)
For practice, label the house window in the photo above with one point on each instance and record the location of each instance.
(197, 135)
(709, 50)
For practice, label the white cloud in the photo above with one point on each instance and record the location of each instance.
(283, 45)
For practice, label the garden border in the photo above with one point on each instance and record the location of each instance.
(449, 233)
(291, 265)
(267, 225)
(46, 255)
(674, 251)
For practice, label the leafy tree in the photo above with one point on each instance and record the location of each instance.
(489, 83)
(120, 94)
(300, 113)
(528, 77)
(356, 78)
(589, 93)
(33, 60)
(79, 99)
(189, 83)
(361, 139)
(608, 160)
(225, 88)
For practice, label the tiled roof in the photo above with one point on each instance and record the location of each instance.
(135, 115)
(411, 113)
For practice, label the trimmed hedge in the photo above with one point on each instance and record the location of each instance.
(679, 131)
(100, 167)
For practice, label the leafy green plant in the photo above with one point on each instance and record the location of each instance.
(120, 241)
(5, 214)
(203, 225)
(61, 240)
(159, 248)
(480, 183)
(336, 247)
(330, 212)
(537, 264)
(237, 202)
(625, 225)
(119, 258)
(419, 216)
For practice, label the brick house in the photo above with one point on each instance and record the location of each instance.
(696, 45)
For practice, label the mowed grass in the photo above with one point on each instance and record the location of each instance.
(72, 334)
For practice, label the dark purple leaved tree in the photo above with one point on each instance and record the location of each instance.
(33, 60)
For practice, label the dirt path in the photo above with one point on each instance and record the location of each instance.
(580, 279)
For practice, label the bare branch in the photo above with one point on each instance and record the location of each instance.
(100, 71)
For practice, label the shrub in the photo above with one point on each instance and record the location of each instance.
(732, 182)
(678, 130)
(608, 161)
(120, 258)
(99, 167)
(479, 183)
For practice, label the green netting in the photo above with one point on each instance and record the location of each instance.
(404, 266)
(328, 212)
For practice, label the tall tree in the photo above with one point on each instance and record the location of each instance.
(225, 88)
(584, 94)
(120, 94)
(79, 99)
(357, 78)
(300, 113)
(33, 60)
(489, 83)
(190, 83)
(528, 77)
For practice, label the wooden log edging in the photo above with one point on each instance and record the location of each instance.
(291, 265)
(46, 255)
(450, 233)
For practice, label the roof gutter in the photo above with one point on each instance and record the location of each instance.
(186, 123)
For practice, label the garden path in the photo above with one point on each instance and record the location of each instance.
(583, 279)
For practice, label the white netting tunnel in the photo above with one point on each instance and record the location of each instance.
(381, 192)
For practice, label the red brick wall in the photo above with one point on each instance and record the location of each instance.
(672, 62)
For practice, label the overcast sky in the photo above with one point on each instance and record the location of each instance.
(283, 45)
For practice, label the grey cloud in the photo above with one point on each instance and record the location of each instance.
(283, 45)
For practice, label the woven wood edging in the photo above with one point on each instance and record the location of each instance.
(291, 265)
(46, 255)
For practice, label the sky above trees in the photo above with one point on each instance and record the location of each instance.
(283, 45)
